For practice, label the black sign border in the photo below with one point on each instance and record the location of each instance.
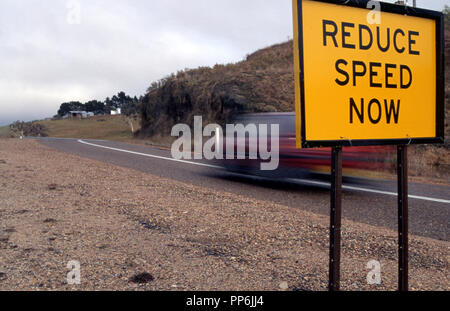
(438, 17)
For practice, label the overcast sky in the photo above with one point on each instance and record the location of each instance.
(50, 54)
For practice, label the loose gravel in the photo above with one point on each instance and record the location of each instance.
(135, 231)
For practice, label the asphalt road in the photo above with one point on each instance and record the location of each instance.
(373, 202)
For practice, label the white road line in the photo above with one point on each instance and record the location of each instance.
(318, 183)
(312, 182)
(150, 155)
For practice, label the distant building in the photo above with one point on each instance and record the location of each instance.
(406, 2)
(78, 115)
(116, 112)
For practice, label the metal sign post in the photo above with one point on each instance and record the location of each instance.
(335, 219)
(408, 103)
(402, 171)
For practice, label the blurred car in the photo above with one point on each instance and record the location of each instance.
(294, 162)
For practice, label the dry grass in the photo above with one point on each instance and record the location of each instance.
(5, 131)
(99, 127)
(429, 161)
(262, 83)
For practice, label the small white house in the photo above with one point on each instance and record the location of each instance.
(116, 112)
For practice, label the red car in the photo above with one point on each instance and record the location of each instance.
(295, 162)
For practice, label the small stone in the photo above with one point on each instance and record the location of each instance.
(284, 285)
(52, 186)
(3, 276)
(142, 278)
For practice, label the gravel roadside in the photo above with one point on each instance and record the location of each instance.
(119, 223)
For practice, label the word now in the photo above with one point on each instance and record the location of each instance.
(239, 139)
(375, 111)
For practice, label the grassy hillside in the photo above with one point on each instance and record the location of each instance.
(100, 127)
(262, 83)
(5, 131)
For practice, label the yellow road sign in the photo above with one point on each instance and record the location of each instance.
(367, 76)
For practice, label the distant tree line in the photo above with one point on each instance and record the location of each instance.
(129, 105)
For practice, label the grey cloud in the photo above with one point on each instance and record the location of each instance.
(122, 45)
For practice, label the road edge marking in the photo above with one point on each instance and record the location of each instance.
(325, 184)
(318, 183)
(150, 155)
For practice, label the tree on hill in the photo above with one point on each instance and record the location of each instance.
(108, 105)
(123, 101)
(65, 108)
(130, 108)
(95, 106)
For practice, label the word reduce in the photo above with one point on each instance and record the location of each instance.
(372, 74)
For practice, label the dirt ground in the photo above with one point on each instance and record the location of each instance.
(119, 223)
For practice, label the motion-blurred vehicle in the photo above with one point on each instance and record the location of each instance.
(293, 162)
